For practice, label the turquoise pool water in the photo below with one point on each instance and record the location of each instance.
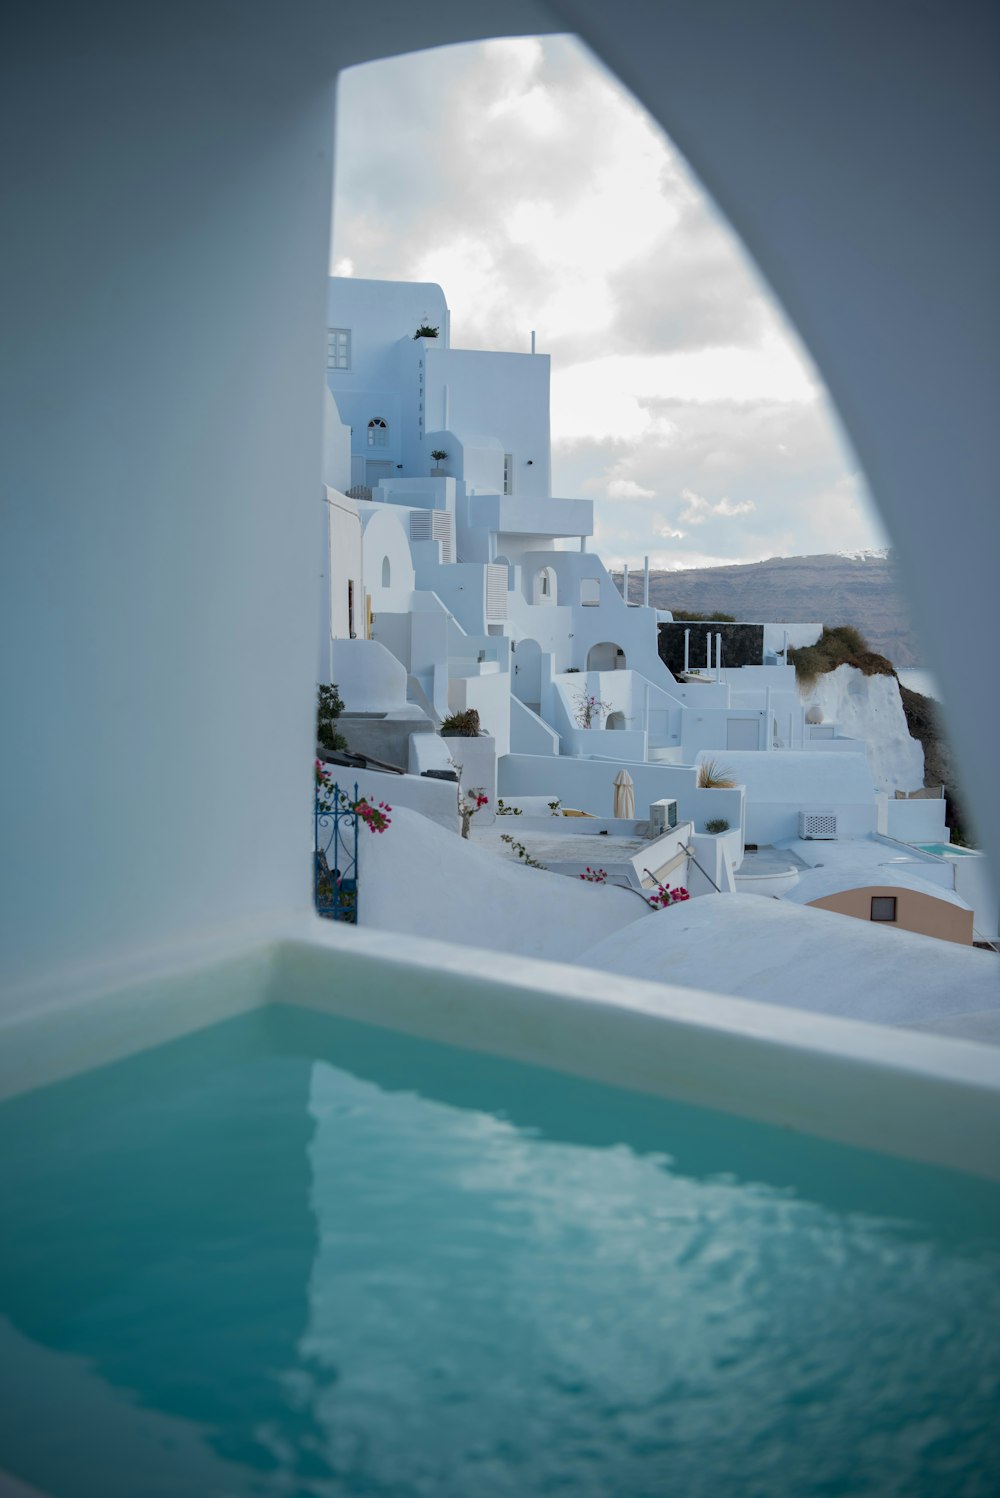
(947, 850)
(299, 1258)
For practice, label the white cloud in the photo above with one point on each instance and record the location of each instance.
(698, 509)
(628, 489)
(520, 176)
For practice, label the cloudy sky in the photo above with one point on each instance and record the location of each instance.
(531, 186)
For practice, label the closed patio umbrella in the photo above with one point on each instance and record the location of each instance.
(624, 795)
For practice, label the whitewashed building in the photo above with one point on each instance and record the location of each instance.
(479, 592)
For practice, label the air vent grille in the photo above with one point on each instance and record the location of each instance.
(817, 824)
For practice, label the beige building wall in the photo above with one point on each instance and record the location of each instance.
(914, 911)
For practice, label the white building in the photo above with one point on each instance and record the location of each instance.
(479, 592)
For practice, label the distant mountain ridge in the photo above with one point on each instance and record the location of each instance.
(858, 590)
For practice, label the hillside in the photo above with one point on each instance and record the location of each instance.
(829, 589)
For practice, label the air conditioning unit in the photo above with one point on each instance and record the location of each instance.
(818, 824)
(662, 816)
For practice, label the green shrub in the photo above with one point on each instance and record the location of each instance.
(841, 646)
(686, 616)
(329, 706)
(717, 824)
(462, 725)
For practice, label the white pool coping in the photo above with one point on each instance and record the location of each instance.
(901, 1092)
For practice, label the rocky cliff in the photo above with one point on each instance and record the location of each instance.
(870, 708)
(827, 589)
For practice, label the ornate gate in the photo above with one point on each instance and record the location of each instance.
(335, 853)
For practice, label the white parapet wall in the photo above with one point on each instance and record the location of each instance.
(476, 759)
(918, 821)
(437, 800)
(781, 784)
(370, 679)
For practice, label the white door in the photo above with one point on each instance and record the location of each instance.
(526, 665)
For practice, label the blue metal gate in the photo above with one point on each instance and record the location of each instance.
(335, 854)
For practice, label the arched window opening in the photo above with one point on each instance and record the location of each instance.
(546, 587)
(606, 656)
(378, 432)
(386, 572)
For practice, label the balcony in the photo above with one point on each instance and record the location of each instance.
(532, 517)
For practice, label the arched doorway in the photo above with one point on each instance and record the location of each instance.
(607, 656)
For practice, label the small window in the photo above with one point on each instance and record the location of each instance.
(386, 572)
(350, 607)
(378, 432)
(508, 473)
(883, 907)
(545, 585)
(338, 348)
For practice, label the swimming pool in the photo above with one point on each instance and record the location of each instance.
(295, 1255)
(947, 850)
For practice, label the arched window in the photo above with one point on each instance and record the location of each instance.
(386, 572)
(378, 432)
(545, 586)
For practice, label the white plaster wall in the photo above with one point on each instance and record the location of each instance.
(498, 395)
(476, 761)
(336, 447)
(369, 677)
(428, 751)
(870, 708)
(623, 745)
(343, 545)
(530, 734)
(473, 459)
(588, 784)
(461, 586)
(435, 801)
(973, 880)
(720, 855)
(490, 696)
(916, 821)
(780, 784)
(382, 317)
(708, 730)
(386, 534)
(161, 455)
(634, 629)
(831, 201)
(480, 899)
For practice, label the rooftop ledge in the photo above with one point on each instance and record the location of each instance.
(930, 1098)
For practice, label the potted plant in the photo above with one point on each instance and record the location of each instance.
(439, 458)
(426, 331)
(463, 725)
